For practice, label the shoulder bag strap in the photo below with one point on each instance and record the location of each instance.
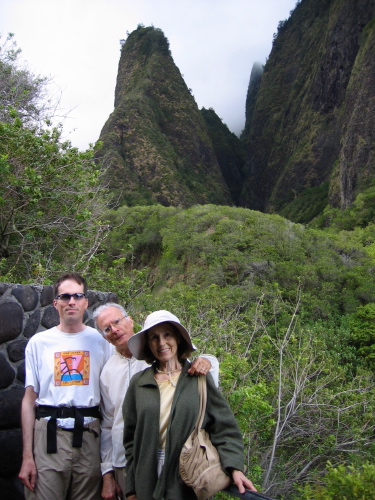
(202, 389)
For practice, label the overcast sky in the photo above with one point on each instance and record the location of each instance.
(214, 43)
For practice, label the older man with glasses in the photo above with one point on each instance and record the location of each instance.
(60, 408)
(116, 327)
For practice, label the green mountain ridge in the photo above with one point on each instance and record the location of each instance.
(313, 119)
(238, 247)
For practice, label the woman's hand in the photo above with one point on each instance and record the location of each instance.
(241, 481)
(131, 497)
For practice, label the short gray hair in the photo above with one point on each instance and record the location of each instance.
(98, 311)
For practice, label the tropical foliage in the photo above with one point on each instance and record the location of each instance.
(51, 197)
(51, 202)
(20, 89)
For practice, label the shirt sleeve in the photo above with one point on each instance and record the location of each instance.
(31, 375)
(107, 410)
(214, 367)
(130, 419)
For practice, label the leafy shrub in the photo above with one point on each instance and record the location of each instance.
(51, 202)
(362, 325)
(344, 482)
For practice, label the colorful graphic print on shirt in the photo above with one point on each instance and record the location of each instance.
(72, 368)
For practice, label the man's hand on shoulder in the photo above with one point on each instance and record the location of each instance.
(200, 366)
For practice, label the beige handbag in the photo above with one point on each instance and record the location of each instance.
(200, 465)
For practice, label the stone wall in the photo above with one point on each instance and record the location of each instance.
(24, 311)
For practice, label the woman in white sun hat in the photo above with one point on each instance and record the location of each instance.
(160, 410)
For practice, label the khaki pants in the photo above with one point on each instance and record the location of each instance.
(71, 473)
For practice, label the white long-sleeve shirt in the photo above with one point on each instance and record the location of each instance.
(114, 382)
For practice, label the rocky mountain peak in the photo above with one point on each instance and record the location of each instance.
(155, 143)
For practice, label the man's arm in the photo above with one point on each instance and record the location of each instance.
(110, 490)
(28, 469)
(204, 364)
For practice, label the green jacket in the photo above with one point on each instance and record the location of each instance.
(141, 410)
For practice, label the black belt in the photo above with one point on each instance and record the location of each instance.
(56, 412)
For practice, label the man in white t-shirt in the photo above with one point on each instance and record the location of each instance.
(117, 327)
(60, 408)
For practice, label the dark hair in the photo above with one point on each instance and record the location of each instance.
(183, 349)
(70, 276)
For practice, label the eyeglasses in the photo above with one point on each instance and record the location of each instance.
(113, 324)
(67, 296)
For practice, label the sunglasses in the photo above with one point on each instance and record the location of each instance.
(67, 296)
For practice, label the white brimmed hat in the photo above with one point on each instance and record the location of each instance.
(136, 343)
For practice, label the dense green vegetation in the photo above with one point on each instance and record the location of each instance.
(288, 309)
(51, 196)
(19, 88)
(51, 201)
(344, 482)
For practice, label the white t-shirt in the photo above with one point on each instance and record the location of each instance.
(64, 368)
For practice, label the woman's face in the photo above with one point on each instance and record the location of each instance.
(163, 342)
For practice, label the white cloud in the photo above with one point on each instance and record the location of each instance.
(214, 43)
